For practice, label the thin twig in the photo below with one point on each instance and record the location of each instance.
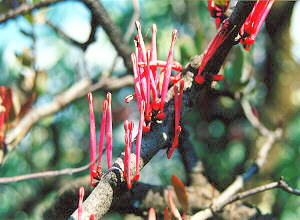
(50, 173)
(83, 45)
(281, 184)
(113, 31)
(26, 8)
(238, 184)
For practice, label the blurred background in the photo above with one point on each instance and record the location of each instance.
(36, 61)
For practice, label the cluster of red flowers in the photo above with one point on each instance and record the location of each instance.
(248, 31)
(152, 79)
(80, 208)
(105, 132)
(152, 76)
(5, 108)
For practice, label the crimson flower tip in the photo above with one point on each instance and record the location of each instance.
(161, 115)
(199, 79)
(154, 28)
(174, 35)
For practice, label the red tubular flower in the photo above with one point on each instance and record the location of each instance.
(128, 127)
(93, 172)
(5, 109)
(101, 137)
(217, 8)
(139, 142)
(151, 83)
(151, 214)
(81, 195)
(141, 44)
(126, 172)
(220, 37)
(154, 53)
(254, 22)
(167, 75)
(177, 110)
(137, 87)
(92, 217)
(148, 73)
(109, 132)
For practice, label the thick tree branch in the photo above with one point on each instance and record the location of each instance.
(110, 186)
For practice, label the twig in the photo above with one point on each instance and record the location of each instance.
(253, 119)
(79, 89)
(110, 29)
(238, 184)
(281, 184)
(97, 10)
(84, 45)
(26, 8)
(193, 166)
(50, 173)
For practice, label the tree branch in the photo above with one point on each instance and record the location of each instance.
(83, 45)
(26, 8)
(238, 184)
(110, 29)
(50, 173)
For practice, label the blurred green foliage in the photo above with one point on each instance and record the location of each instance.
(224, 140)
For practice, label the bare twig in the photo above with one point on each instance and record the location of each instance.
(110, 29)
(253, 119)
(50, 173)
(281, 184)
(26, 8)
(97, 10)
(238, 184)
(83, 45)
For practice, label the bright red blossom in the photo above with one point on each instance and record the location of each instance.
(254, 22)
(80, 201)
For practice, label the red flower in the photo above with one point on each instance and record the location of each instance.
(128, 127)
(217, 10)
(5, 109)
(93, 173)
(177, 109)
(105, 131)
(220, 37)
(151, 76)
(254, 22)
(81, 195)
